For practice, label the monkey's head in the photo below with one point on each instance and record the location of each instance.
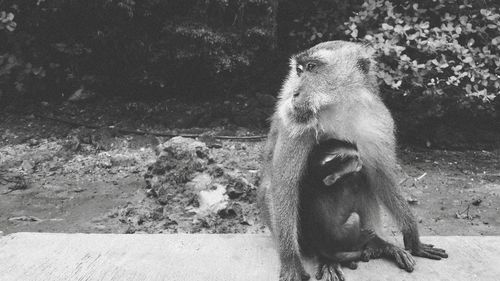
(323, 77)
(332, 159)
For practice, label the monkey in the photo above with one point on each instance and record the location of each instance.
(332, 201)
(331, 92)
(328, 208)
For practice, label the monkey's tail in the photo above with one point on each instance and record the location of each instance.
(342, 256)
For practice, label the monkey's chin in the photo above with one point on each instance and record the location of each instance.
(299, 123)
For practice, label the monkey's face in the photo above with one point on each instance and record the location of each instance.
(321, 78)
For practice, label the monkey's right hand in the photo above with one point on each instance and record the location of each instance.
(420, 249)
(294, 273)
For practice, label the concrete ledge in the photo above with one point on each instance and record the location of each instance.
(183, 257)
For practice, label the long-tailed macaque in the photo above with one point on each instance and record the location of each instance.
(333, 198)
(331, 93)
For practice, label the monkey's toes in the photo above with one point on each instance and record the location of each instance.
(404, 259)
(351, 265)
(293, 275)
(332, 271)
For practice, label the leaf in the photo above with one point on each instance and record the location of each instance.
(385, 26)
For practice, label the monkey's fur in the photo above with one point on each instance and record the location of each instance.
(331, 92)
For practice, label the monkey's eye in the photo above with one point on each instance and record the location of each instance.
(310, 66)
(299, 68)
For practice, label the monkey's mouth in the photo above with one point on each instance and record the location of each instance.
(302, 114)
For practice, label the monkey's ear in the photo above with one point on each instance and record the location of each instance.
(364, 65)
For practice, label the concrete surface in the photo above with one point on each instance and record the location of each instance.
(183, 257)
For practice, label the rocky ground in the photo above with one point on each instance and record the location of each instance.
(59, 177)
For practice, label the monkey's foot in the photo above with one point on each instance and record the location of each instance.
(403, 259)
(428, 251)
(294, 275)
(333, 272)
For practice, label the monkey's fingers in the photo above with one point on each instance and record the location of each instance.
(333, 272)
(351, 265)
(437, 251)
(330, 274)
(430, 253)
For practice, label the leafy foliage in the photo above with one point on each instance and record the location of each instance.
(7, 21)
(441, 56)
(302, 24)
(169, 47)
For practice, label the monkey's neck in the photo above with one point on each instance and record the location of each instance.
(361, 119)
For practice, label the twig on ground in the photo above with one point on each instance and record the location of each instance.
(460, 214)
(24, 218)
(403, 181)
(421, 176)
(159, 134)
(20, 183)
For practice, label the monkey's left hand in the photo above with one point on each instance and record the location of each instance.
(419, 249)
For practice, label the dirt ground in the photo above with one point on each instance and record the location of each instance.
(57, 177)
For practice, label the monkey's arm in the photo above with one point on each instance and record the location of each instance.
(272, 137)
(267, 158)
(288, 166)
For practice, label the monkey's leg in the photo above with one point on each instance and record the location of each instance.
(382, 181)
(347, 258)
(348, 231)
(369, 213)
(288, 165)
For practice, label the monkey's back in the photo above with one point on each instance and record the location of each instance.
(324, 213)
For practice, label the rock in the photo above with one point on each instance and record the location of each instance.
(237, 187)
(231, 211)
(81, 94)
(27, 166)
(212, 201)
(211, 141)
(123, 160)
(138, 141)
(412, 201)
(200, 182)
(53, 187)
(33, 142)
(104, 160)
(180, 147)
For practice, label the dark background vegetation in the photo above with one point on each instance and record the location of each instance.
(439, 60)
